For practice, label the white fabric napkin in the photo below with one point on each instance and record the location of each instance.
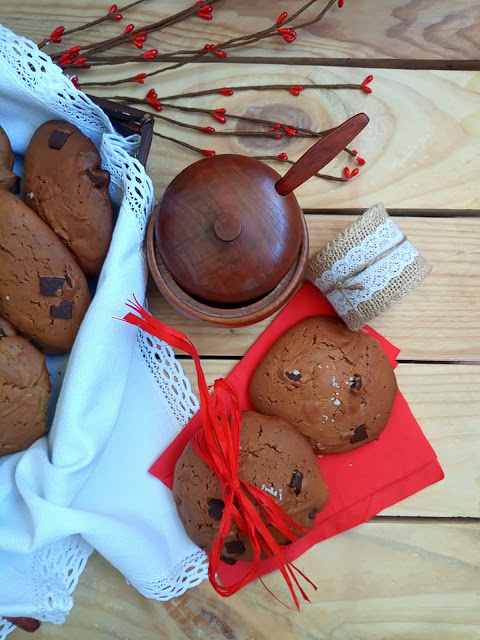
(122, 400)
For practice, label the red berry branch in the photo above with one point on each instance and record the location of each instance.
(82, 57)
(112, 14)
(219, 50)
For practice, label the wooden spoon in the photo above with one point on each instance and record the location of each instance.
(321, 153)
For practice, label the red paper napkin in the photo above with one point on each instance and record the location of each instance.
(361, 482)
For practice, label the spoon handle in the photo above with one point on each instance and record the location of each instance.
(321, 153)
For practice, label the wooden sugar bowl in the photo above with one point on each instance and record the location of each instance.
(228, 242)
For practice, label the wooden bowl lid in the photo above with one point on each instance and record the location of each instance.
(223, 231)
(228, 315)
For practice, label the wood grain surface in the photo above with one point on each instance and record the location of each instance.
(449, 419)
(392, 580)
(392, 29)
(421, 145)
(436, 322)
(412, 572)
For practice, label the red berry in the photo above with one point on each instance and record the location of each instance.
(289, 35)
(295, 90)
(56, 33)
(366, 82)
(150, 55)
(65, 58)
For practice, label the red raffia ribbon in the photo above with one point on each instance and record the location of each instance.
(218, 444)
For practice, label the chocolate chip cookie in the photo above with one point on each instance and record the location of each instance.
(66, 186)
(43, 291)
(7, 177)
(24, 391)
(335, 385)
(273, 457)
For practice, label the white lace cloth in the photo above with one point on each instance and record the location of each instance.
(387, 240)
(123, 398)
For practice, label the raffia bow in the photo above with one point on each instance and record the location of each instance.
(218, 444)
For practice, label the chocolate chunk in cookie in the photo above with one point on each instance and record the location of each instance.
(57, 139)
(215, 508)
(359, 434)
(296, 482)
(356, 382)
(50, 285)
(64, 310)
(99, 178)
(235, 547)
(293, 375)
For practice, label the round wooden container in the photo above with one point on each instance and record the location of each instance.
(228, 242)
(226, 315)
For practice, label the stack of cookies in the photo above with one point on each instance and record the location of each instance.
(51, 241)
(320, 389)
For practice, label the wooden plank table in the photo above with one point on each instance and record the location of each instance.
(413, 570)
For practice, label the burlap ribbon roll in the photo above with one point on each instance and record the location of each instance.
(367, 267)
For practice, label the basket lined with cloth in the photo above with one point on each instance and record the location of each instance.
(76, 489)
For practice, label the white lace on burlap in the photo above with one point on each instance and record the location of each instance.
(387, 241)
(367, 267)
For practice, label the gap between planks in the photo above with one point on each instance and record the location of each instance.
(236, 359)
(352, 63)
(425, 519)
(400, 213)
